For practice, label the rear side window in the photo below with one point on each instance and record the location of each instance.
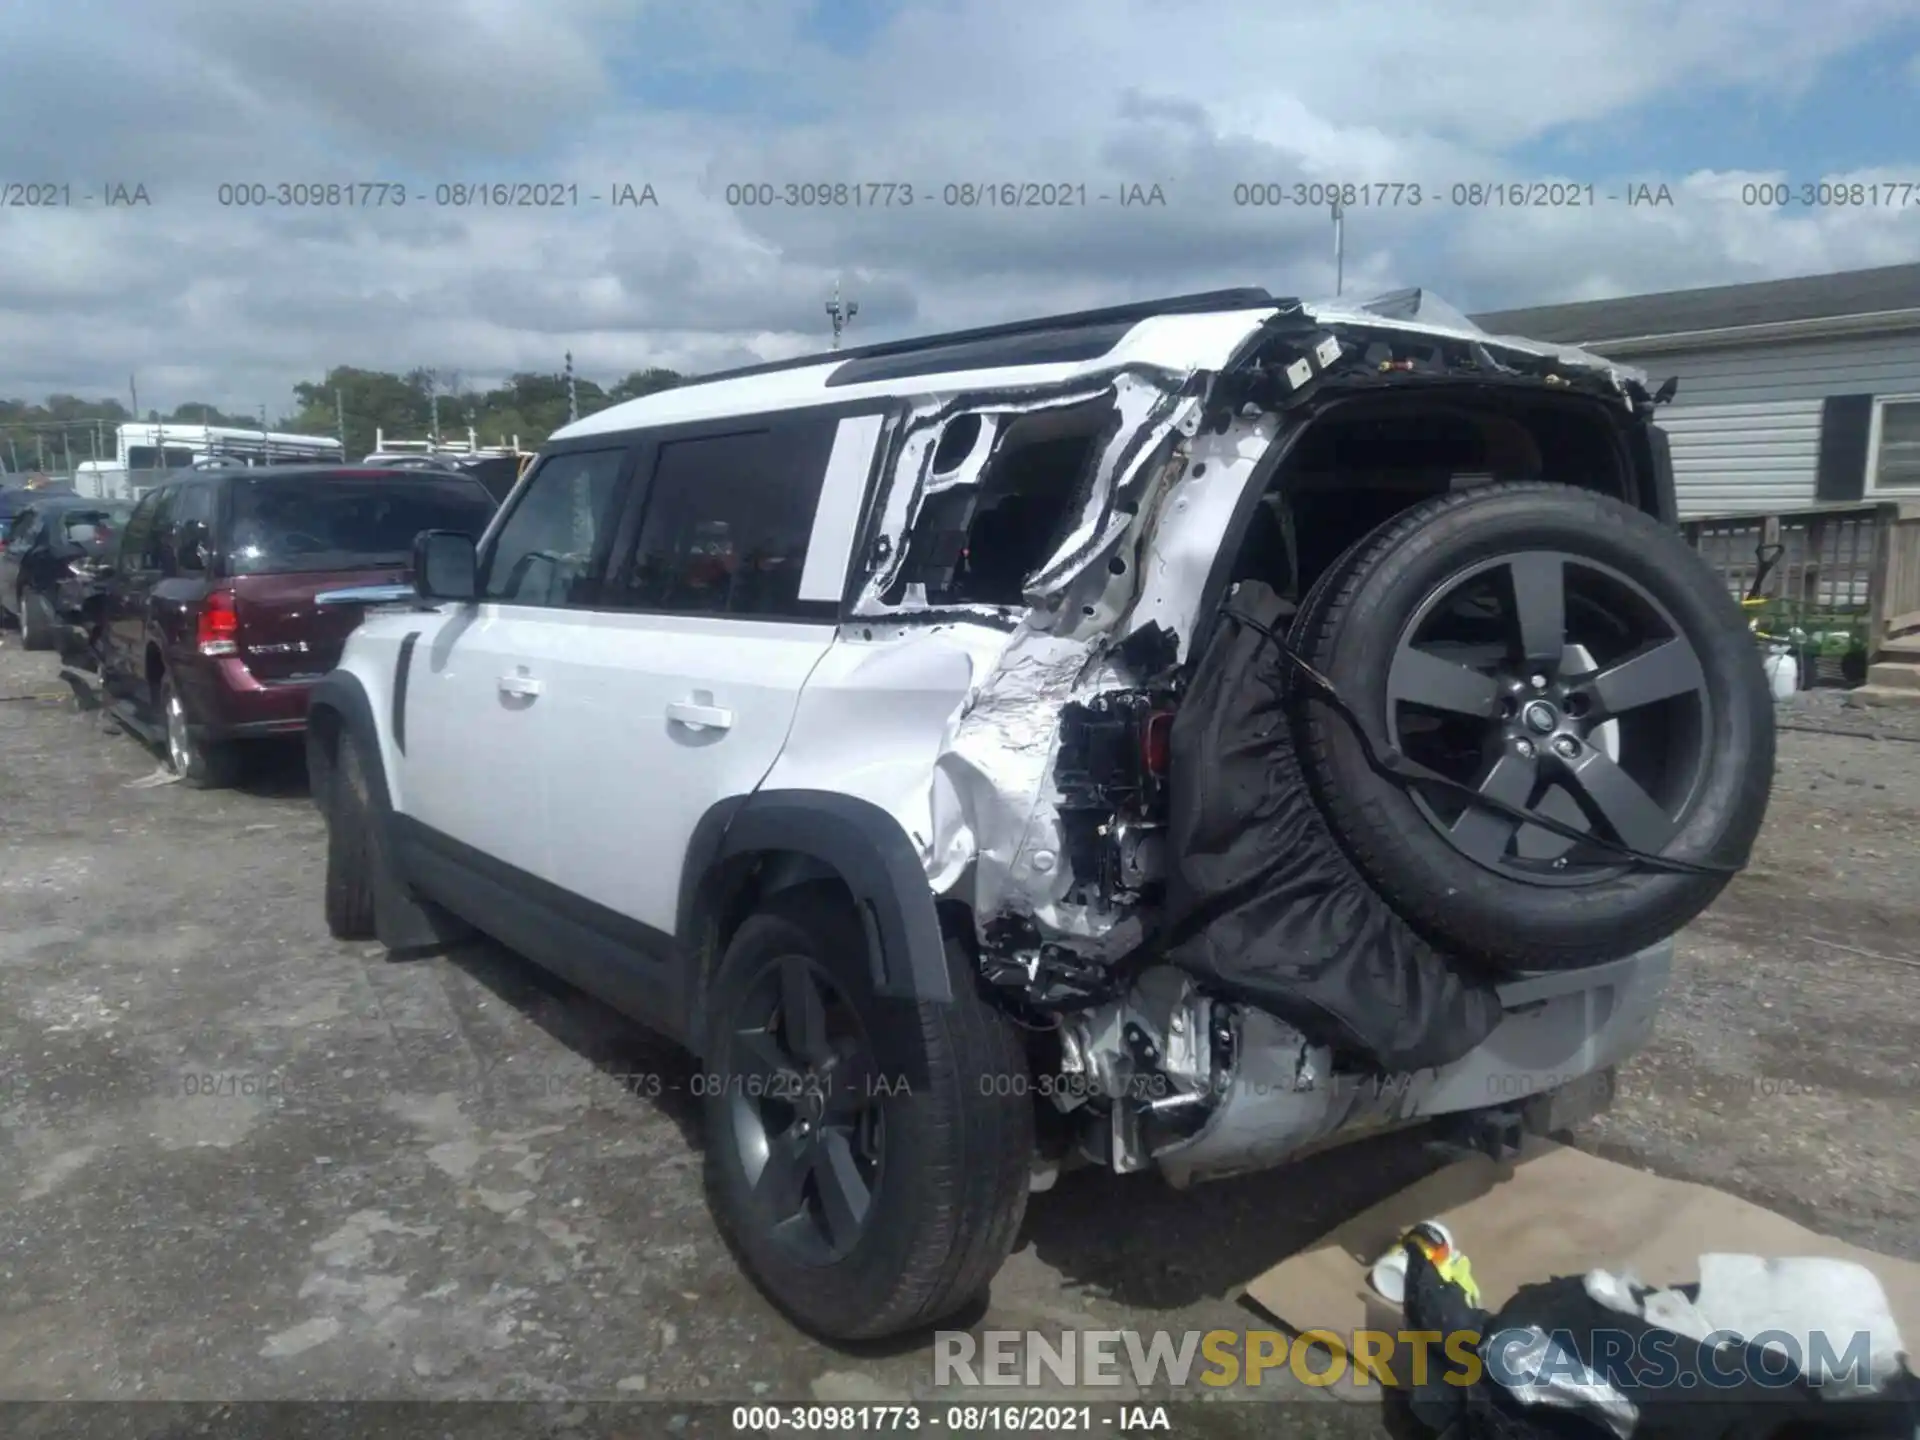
(292, 523)
(727, 522)
(94, 528)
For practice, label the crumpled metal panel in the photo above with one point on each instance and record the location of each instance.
(1139, 552)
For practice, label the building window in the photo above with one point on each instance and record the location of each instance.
(1894, 449)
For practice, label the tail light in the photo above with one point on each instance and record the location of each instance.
(1156, 742)
(219, 624)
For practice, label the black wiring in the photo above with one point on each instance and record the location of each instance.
(1407, 774)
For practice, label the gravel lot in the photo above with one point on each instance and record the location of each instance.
(240, 1160)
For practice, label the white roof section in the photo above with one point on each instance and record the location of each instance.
(1181, 343)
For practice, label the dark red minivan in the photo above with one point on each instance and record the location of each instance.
(205, 630)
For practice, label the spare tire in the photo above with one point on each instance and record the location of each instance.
(1563, 652)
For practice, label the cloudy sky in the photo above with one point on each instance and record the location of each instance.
(715, 101)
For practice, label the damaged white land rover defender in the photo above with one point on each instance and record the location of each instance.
(1168, 737)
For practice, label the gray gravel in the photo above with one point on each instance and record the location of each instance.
(239, 1159)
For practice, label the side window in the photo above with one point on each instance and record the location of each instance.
(190, 521)
(137, 539)
(547, 549)
(727, 524)
(158, 553)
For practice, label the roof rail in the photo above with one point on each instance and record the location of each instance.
(1243, 298)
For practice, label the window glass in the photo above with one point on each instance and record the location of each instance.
(95, 530)
(1897, 467)
(727, 524)
(133, 542)
(285, 524)
(144, 548)
(20, 529)
(546, 551)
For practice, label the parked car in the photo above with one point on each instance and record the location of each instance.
(1166, 737)
(45, 547)
(205, 632)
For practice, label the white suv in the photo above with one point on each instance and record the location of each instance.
(1162, 737)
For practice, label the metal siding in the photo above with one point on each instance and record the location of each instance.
(1743, 457)
(1746, 421)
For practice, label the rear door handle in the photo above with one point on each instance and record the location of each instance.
(700, 717)
(519, 685)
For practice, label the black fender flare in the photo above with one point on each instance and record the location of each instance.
(341, 693)
(856, 840)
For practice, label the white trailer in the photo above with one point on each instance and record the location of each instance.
(175, 447)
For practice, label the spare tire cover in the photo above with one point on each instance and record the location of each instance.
(1263, 904)
(1565, 653)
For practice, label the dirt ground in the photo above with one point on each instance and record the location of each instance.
(240, 1160)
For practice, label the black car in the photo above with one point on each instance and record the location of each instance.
(52, 544)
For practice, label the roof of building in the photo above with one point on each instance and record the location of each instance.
(1715, 308)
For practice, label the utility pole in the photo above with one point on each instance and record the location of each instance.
(433, 407)
(573, 395)
(340, 414)
(66, 449)
(266, 440)
(1339, 247)
(840, 314)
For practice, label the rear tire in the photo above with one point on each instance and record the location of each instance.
(945, 1182)
(199, 764)
(351, 844)
(38, 624)
(1701, 794)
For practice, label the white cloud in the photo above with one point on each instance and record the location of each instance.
(233, 305)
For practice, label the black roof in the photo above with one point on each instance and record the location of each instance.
(1718, 307)
(1047, 339)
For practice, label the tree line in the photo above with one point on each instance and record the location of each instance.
(64, 430)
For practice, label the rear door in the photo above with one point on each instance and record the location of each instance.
(678, 690)
(290, 537)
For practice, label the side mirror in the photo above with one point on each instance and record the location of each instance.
(444, 566)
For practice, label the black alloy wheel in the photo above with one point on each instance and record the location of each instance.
(1564, 688)
(801, 1109)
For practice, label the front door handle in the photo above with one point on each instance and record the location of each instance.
(519, 685)
(700, 717)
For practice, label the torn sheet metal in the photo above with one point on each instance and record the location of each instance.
(1420, 312)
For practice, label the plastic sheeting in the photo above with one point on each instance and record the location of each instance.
(1262, 902)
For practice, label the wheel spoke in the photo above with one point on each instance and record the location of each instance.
(851, 1083)
(1421, 678)
(1534, 843)
(844, 1196)
(1540, 607)
(1658, 672)
(1482, 834)
(1618, 801)
(803, 1019)
(779, 1184)
(757, 1056)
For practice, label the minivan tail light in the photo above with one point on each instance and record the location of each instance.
(219, 624)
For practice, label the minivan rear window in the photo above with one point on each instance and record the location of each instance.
(286, 524)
